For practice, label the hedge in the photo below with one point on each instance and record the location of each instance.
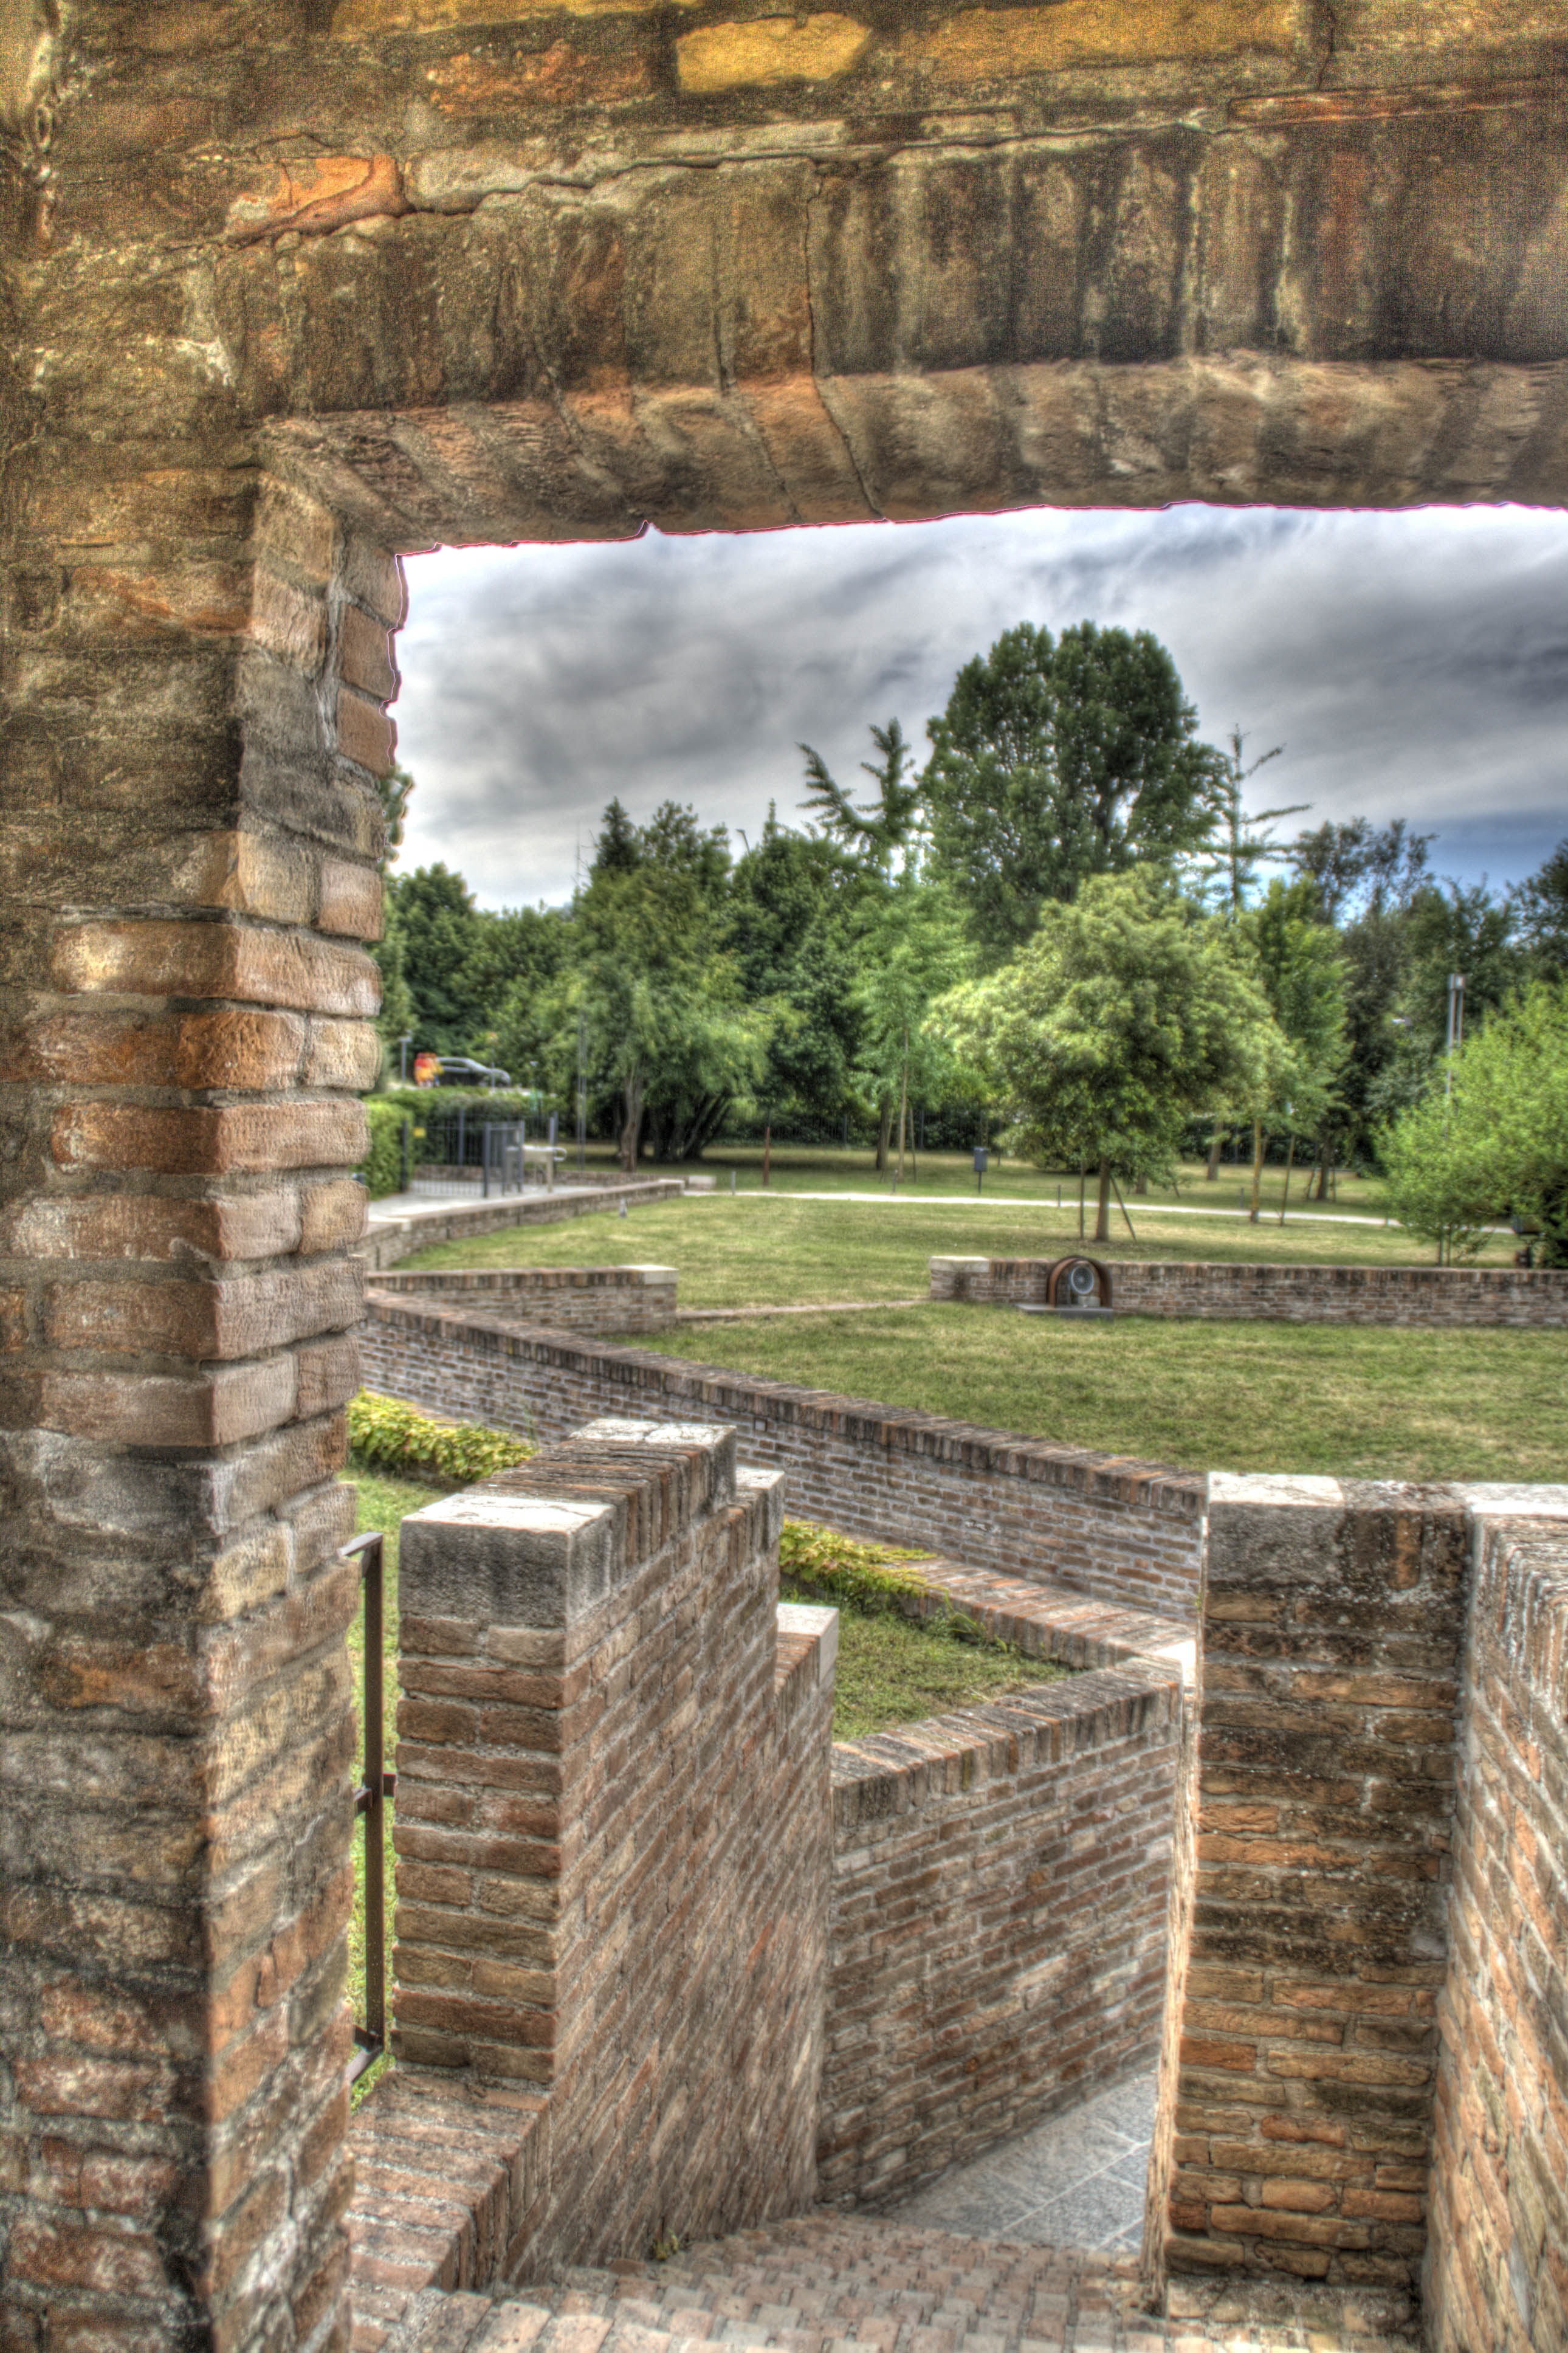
(387, 1435)
(381, 1166)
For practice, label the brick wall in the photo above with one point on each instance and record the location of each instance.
(999, 1912)
(1462, 1296)
(569, 1298)
(388, 1240)
(1121, 1531)
(614, 1834)
(197, 663)
(1497, 2266)
(1301, 2104)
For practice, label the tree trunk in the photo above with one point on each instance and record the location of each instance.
(768, 1153)
(631, 1126)
(1257, 1169)
(1289, 1164)
(1102, 1215)
(1140, 1182)
(884, 1131)
(903, 1101)
(1217, 1143)
(1323, 1174)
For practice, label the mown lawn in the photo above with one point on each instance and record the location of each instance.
(1334, 1399)
(773, 1250)
(894, 1670)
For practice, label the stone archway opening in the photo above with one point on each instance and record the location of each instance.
(290, 291)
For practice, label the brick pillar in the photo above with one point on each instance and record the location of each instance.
(614, 1833)
(1303, 2098)
(196, 664)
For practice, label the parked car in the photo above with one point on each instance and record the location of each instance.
(462, 1071)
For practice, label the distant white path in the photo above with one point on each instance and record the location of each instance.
(1148, 1208)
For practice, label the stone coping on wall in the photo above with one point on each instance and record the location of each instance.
(1442, 1296)
(940, 1756)
(502, 1280)
(1052, 1621)
(699, 1390)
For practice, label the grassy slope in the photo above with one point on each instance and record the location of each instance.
(1356, 1403)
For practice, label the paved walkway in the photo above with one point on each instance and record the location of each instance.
(1074, 2182)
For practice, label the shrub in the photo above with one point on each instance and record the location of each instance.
(388, 1435)
(875, 1580)
(381, 1166)
(1494, 1142)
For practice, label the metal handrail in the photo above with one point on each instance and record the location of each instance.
(369, 1802)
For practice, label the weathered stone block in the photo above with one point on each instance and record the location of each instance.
(240, 1140)
(204, 959)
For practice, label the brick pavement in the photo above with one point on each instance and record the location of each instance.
(829, 2283)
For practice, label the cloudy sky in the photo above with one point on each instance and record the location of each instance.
(1412, 666)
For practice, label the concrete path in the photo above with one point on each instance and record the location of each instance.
(1074, 2182)
(1000, 1201)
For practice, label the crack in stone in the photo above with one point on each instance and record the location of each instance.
(872, 507)
(1333, 21)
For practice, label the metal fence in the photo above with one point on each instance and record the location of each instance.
(466, 1157)
(370, 1805)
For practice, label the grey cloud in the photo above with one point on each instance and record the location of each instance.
(1414, 665)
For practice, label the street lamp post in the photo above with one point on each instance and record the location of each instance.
(403, 1043)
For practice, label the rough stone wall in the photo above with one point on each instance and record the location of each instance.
(1302, 2100)
(1124, 1532)
(1446, 1297)
(999, 1910)
(717, 270)
(1497, 2266)
(196, 665)
(614, 1834)
(571, 1298)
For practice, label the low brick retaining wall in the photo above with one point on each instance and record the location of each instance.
(1122, 1531)
(1439, 1296)
(574, 1298)
(389, 1240)
(997, 1949)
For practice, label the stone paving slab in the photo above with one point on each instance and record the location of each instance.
(1076, 2180)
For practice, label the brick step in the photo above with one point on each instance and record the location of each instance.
(829, 2282)
(443, 2182)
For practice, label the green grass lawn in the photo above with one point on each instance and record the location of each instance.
(1335, 1398)
(894, 1670)
(772, 1249)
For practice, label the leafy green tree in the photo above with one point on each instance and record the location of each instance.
(1129, 1012)
(1359, 869)
(1302, 972)
(669, 1029)
(1540, 912)
(394, 788)
(439, 926)
(912, 949)
(1489, 1139)
(792, 915)
(875, 833)
(1057, 759)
